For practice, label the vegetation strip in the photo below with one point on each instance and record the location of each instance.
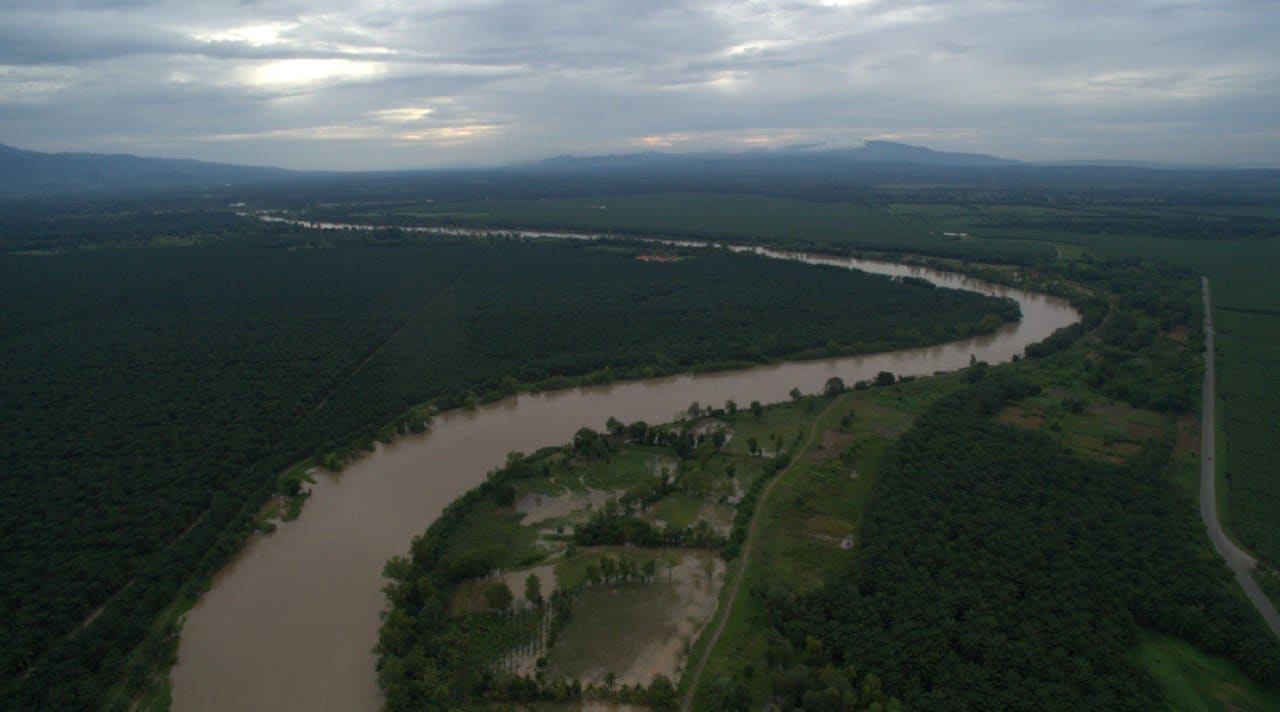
(726, 604)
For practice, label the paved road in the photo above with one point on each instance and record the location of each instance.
(1240, 562)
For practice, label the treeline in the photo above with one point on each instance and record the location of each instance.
(152, 396)
(1166, 225)
(997, 570)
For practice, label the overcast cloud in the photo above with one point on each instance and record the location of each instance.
(357, 84)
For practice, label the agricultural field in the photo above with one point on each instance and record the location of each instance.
(810, 521)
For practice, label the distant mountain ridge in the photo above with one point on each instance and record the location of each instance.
(872, 152)
(33, 173)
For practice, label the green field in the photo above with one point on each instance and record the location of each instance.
(811, 513)
(1191, 681)
(706, 216)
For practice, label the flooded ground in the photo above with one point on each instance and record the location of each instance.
(639, 630)
(291, 623)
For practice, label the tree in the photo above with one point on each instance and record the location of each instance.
(533, 590)
(834, 387)
(752, 446)
(638, 431)
(885, 378)
(757, 410)
(731, 408)
(796, 394)
(662, 693)
(498, 596)
(614, 426)
(504, 494)
(694, 410)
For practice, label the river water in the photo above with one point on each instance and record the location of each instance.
(291, 623)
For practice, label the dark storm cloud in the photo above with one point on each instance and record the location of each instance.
(401, 83)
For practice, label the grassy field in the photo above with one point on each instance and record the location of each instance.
(1104, 430)
(1191, 681)
(810, 521)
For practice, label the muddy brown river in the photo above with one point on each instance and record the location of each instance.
(291, 623)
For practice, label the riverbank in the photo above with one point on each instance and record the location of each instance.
(263, 611)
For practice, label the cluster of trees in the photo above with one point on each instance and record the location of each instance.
(659, 694)
(799, 678)
(619, 527)
(621, 569)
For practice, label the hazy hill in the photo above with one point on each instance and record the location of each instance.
(813, 156)
(33, 173)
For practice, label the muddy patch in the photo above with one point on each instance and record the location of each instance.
(538, 508)
(833, 443)
(1188, 436)
(639, 630)
(1020, 417)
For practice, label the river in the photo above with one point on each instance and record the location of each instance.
(291, 623)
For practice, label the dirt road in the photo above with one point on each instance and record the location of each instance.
(726, 611)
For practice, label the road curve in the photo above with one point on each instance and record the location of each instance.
(1240, 562)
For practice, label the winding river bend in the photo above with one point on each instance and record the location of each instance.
(290, 624)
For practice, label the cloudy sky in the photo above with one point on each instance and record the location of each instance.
(356, 84)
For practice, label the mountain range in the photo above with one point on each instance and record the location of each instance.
(31, 173)
(24, 173)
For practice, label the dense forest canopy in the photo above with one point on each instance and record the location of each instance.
(997, 569)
